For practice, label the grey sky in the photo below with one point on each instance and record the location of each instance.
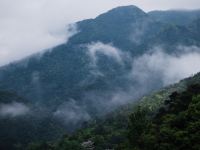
(28, 26)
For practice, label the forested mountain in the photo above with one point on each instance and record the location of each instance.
(168, 118)
(66, 72)
(99, 68)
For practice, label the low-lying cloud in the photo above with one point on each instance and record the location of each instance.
(168, 68)
(150, 71)
(13, 109)
(106, 49)
(71, 113)
(140, 29)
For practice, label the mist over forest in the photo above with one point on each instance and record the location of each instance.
(99, 66)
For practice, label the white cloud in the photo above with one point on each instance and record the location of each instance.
(29, 26)
(71, 113)
(107, 49)
(13, 109)
(165, 67)
(139, 30)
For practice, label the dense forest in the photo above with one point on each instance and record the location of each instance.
(156, 122)
(107, 86)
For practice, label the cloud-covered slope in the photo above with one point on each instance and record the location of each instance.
(111, 60)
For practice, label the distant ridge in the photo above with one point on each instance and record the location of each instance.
(179, 17)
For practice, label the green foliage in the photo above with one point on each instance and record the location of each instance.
(149, 124)
(175, 126)
(138, 123)
(56, 77)
(40, 146)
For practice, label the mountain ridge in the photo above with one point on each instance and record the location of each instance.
(179, 17)
(50, 71)
(94, 70)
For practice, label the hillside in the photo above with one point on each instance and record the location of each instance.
(112, 60)
(134, 126)
(56, 76)
(22, 123)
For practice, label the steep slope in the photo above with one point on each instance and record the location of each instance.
(173, 35)
(114, 27)
(75, 81)
(66, 72)
(8, 97)
(133, 125)
(62, 64)
(195, 29)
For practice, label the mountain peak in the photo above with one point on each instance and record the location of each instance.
(127, 8)
(131, 11)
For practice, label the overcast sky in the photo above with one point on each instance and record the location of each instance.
(29, 26)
